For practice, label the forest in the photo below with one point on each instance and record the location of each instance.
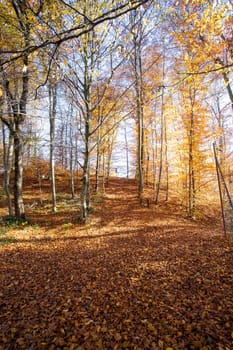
(116, 174)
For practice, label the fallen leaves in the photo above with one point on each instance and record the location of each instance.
(140, 288)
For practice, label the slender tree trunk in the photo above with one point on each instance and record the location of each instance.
(7, 160)
(76, 167)
(88, 58)
(166, 158)
(226, 78)
(97, 166)
(72, 169)
(147, 162)
(18, 173)
(141, 131)
(61, 151)
(139, 125)
(136, 22)
(222, 139)
(191, 174)
(39, 178)
(126, 152)
(52, 116)
(153, 165)
(228, 86)
(103, 173)
(154, 152)
(109, 156)
(161, 149)
(84, 196)
(66, 143)
(71, 151)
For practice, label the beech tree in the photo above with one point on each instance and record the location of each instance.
(137, 37)
(17, 26)
(195, 118)
(93, 40)
(89, 83)
(19, 41)
(205, 29)
(7, 150)
(135, 46)
(52, 89)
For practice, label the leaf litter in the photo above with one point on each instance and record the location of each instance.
(138, 278)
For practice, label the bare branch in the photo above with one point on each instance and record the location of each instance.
(72, 33)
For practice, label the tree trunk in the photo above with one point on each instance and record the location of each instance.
(97, 166)
(17, 95)
(76, 166)
(109, 156)
(52, 116)
(139, 113)
(140, 146)
(161, 149)
(191, 174)
(166, 158)
(71, 164)
(228, 86)
(127, 152)
(103, 172)
(84, 196)
(88, 58)
(136, 22)
(154, 155)
(18, 174)
(147, 163)
(66, 144)
(7, 159)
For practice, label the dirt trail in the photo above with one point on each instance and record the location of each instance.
(120, 211)
(134, 278)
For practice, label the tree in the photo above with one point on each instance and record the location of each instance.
(80, 25)
(19, 41)
(52, 87)
(16, 91)
(88, 79)
(136, 32)
(195, 118)
(205, 29)
(7, 147)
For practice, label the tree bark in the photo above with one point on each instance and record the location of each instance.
(7, 158)
(191, 173)
(161, 149)
(139, 117)
(127, 152)
(166, 158)
(71, 158)
(84, 196)
(109, 155)
(17, 101)
(18, 174)
(52, 116)
(97, 167)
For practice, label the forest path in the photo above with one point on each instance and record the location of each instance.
(135, 278)
(120, 211)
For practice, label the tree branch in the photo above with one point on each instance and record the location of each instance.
(70, 34)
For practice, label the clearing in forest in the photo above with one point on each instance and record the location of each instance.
(132, 278)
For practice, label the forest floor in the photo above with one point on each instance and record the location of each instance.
(132, 278)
